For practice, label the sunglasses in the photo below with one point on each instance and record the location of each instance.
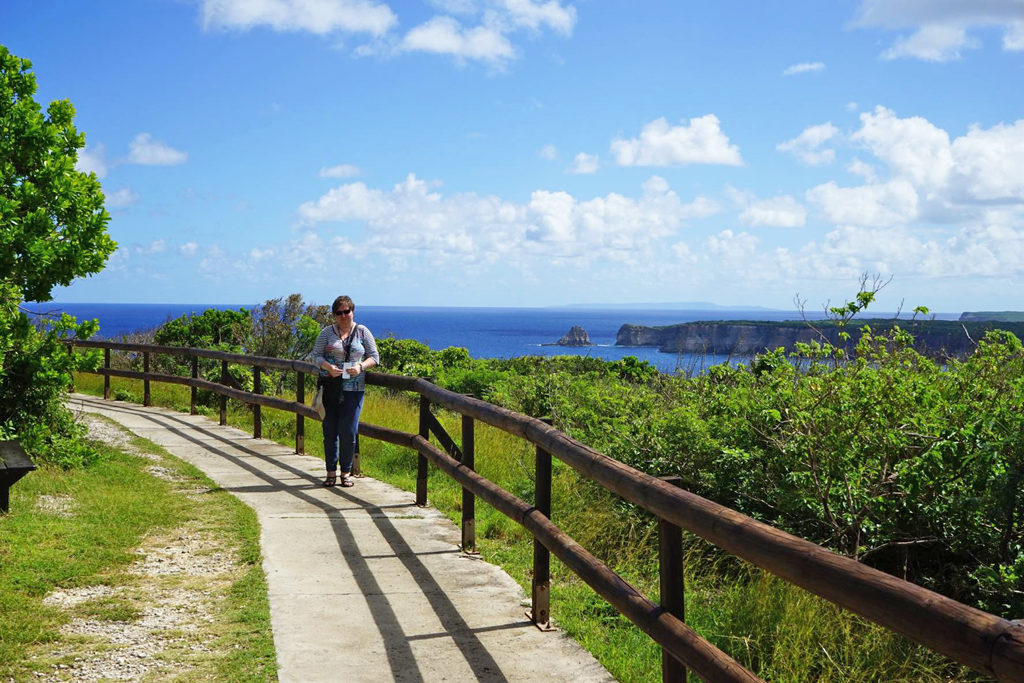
(343, 311)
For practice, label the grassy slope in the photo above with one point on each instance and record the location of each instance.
(115, 504)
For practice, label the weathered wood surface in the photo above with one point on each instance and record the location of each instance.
(217, 388)
(968, 635)
(710, 663)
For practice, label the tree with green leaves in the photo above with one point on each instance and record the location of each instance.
(53, 229)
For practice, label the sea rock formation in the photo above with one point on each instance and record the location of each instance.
(576, 336)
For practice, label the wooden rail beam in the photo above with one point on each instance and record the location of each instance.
(968, 635)
(707, 661)
(983, 641)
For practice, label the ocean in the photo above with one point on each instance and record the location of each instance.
(484, 332)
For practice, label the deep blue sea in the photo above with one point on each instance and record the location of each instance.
(484, 332)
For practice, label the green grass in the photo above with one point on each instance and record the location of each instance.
(781, 632)
(106, 512)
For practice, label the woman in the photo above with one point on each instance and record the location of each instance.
(343, 351)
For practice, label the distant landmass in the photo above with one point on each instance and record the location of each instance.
(935, 338)
(670, 306)
(997, 316)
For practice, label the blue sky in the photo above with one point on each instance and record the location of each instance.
(545, 152)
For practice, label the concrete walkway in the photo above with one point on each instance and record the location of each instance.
(363, 585)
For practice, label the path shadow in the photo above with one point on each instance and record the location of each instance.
(398, 648)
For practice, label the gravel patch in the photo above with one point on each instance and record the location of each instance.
(164, 473)
(172, 589)
(113, 435)
(58, 506)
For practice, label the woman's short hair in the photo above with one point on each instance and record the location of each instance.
(346, 300)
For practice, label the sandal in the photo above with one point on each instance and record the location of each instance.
(347, 481)
(331, 480)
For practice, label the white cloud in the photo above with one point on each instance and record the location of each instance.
(444, 35)
(1013, 39)
(986, 164)
(536, 15)
(913, 147)
(548, 152)
(932, 43)
(488, 41)
(188, 249)
(410, 218)
(808, 145)
(941, 26)
(124, 196)
(485, 36)
(989, 163)
(699, 142)
(988, 249)
(780, 212)
(584, 164)
(145, 150)
(926, 176)
(340, 171)
(344, 203)
(732, 250)
(864, 170)
(92, 160)
(313, 16)
(683, 253)
(803, 68)
(886, 204)
(154, 247)
(903, 13)
(455, 6)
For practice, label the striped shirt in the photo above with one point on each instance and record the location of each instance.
(331, 348)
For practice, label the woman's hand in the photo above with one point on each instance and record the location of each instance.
(355, 369)
(333, 370)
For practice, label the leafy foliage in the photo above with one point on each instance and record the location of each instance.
(278, 328)
(282, 327)
(212, 329)
(52, 230)
(54, 226)
(874, 451)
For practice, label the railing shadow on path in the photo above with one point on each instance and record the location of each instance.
(401, 659)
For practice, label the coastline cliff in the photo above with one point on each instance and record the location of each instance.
(936, 338)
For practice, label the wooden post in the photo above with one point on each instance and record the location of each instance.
(300, 421)
(670, 563)
(106, 378)
(541, 588)
(421, 462)
(468, 499)
(145, 382)
(195, 375)
(357, 468)
(257, 414)
(223, 398)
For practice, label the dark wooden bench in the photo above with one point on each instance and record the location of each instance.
(14, 464)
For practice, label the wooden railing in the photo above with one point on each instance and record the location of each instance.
(982, 641)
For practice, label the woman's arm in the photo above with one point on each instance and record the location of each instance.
(317, 354)
(370, 355)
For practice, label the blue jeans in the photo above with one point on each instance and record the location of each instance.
(340, 425)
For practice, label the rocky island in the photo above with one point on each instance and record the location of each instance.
(935, 338)
(576, 336)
